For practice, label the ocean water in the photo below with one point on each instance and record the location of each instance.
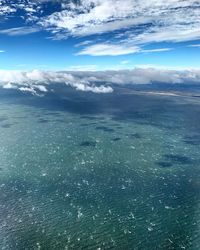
(86, 171)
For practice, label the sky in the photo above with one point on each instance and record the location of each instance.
(123, 41)
(99, 34)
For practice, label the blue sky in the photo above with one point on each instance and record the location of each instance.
(99, 34)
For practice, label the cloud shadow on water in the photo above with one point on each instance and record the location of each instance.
(124, 104)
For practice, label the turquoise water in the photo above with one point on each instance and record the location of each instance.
(117, 171)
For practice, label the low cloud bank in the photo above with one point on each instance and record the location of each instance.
(37, 82)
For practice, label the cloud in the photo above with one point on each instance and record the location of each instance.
(83, 68)
(19, 31)
(37, 82)
(124, 62)
(84, 16)
(40, 82)
(149, 20)
(2, 51)
(108, 49)
(156, 50)
(84, 43)
(6, 9)
(194, 45)
(116, 50)
(128, 24)
(173, 33)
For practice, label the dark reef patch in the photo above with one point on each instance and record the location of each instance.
(105, 129)
(52, 114)
(119, 127)
(87, 124)
(164, 164)
(135, 136)
(88, 144)
(192, 139)
(59, 120)
(43, 121)
(169, 160)
(88, 117)
(20, 117)
(3, 119)
(116, 139)
(84, 125)
(6, 125)
(180, 159)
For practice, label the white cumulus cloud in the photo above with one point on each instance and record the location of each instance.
(39, 82)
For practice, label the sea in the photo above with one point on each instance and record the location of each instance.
(80, 170)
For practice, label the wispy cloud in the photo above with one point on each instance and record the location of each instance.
(194, 46)
(156, 50)
(124, 62)
(83, 68)
(108, 49)
(19, 31)
(116, 50)
(2, 51)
